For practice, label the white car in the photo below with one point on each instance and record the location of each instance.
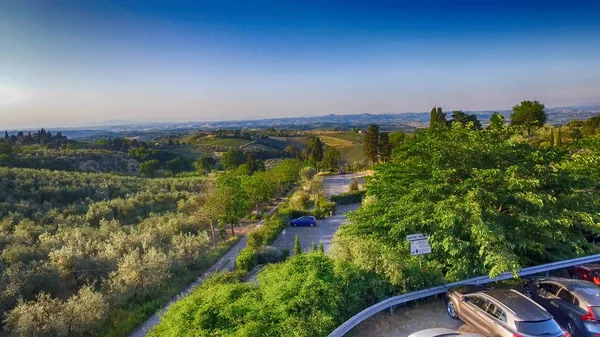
(441, 332)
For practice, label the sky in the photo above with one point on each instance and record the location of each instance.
(83, 62)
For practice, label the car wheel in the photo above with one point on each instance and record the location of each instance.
(293, 224)
(451, 310)
(312, 224)
(571, 328)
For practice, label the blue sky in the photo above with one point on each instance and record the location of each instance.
(82, 62)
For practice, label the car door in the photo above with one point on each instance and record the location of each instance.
(495, 320)
(568, 307)
(474, 307)
(546, 296)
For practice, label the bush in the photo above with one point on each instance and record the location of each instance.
(255, 238)
(290, 213)
(269, 254)
(353, 185)
(348, 198)
(246, 260)
(300, 200)
(323, 208)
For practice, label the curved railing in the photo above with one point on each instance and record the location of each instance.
(404, 298)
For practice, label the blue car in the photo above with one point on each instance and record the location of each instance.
(304, 221)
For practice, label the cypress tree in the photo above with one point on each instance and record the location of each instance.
(372, 143)
(297, 248)
(314, 247)
(317, 150)
(385, 147)
(321, 249)
(6, 134)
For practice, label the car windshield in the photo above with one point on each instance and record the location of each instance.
(539, 328)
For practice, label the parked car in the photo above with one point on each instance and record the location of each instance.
(588, 272)
(304, 221)
(341, 172)
(575, 304)
(441, 332)
(501, 313)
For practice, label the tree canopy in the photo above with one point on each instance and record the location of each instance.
(488, 205)
(528, 114)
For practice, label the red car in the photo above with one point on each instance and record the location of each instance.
(589, 272)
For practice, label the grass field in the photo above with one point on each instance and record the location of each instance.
(335, 142)
(348, 136)
(231, 142)
(352, 153)
(191, 151)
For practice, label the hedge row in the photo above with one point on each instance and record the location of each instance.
(348, 197)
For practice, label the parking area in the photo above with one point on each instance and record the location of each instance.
(323, 232)
(408, 319)
(338, 184)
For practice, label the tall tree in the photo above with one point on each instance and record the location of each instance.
(233, 198)
(297, 247)
(5, 134)
(437, 118)
(317, 150)
(149, 168)
(372, 143)
(331, 158)
(528, 114)
(385, 147)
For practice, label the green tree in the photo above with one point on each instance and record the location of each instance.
(437, 119)
(233, 199)
(205, 164)
(528, 114)
(297, 247)
(149, 168)
(292, 151)
(174, 166)
(232, 159)
(396, 138)
(557, 135)
(488, 204)
(331, 158)
(314, 247)
(372, 143)
(316, 153)
(385, 147)
(321, 248)
(496, 121)
(464, 119)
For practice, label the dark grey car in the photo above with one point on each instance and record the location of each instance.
(575, 304)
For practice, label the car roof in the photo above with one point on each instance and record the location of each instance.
(522, 307)
(588, 291)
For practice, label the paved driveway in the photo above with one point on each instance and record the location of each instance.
(338, 184)
(408, 319)
(323, 232)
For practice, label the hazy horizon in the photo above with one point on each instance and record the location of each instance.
(74, 63)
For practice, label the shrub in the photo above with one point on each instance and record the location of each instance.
(300, 200)
(323, 208)
(353, 185)
(269, 254)
(290, 213)
(246, 260)
(255, 238)
(348, 198)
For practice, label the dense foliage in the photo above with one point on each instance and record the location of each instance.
(488, 204)
(318, 294)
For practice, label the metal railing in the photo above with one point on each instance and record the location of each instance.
(416, 295)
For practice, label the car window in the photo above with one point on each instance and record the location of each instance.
(496, 312)
(539, 328)
(566, 296)
(478, 301)
(550, 287)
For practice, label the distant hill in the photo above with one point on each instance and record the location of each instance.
(391, 121)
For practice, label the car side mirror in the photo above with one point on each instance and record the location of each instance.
(464, 298)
